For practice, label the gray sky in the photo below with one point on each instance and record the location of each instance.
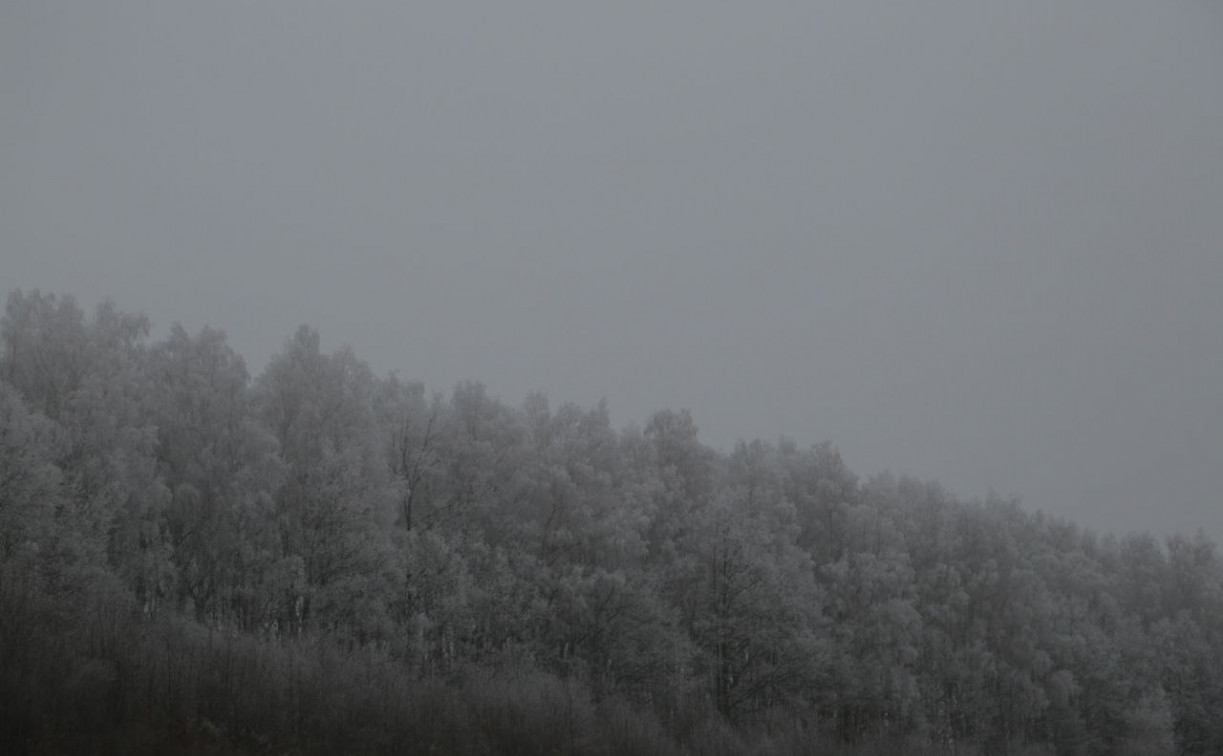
(977, 241)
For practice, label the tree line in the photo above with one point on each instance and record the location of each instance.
(321, 559)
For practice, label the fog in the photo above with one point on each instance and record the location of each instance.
(977, 242)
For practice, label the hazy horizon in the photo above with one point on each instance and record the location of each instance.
(969, 243)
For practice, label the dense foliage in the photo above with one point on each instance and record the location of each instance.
(325, 560)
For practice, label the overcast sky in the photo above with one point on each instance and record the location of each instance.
(974, 241)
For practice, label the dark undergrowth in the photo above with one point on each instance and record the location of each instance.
(84, 672)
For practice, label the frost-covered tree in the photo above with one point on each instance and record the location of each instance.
(222, 470)
(337, 500)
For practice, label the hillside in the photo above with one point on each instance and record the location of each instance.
(319, 559)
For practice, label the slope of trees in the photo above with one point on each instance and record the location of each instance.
(323, 560)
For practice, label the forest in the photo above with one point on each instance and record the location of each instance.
(319, 559)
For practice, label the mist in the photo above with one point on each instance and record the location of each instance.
(635, 378)
(977, 243)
